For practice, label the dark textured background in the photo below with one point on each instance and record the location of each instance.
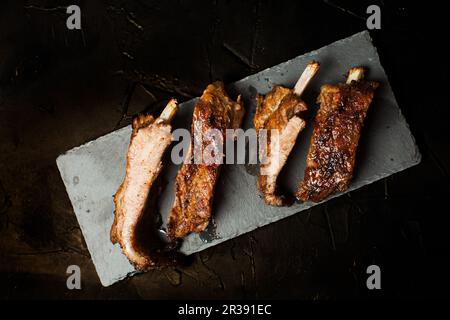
(61, 88)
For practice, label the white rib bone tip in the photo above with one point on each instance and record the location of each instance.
(169, 111)
(355, 74)
(307, 75)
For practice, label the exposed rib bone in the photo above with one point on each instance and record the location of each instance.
(149, 141)
(355, 74)
(337, 129)
(169, 112)
(309, 72)
(279, 110)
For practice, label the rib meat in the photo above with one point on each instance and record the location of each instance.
(196, 180)
(149, 140)
(338, 124)
(278, 113)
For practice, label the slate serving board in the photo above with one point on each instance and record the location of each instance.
(93, 172)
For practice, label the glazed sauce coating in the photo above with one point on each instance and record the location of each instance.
(195, 182)
(278, 110)
(337, 129)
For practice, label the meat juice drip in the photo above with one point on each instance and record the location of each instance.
(210, 233)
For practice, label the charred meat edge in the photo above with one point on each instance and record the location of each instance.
(280, 110)
(337, 129)
(195, 182)
(150, 139)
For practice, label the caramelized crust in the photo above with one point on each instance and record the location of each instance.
(132, 227)
(278, 110)
(195, 182)
(338, 124)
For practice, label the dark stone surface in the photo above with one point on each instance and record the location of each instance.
(60, 88)
(93, 172)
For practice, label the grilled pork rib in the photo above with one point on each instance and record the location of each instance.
(338, 124)
(149, 140)
(279, 110)
(195, 182)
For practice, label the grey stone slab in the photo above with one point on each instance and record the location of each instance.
(93, 172)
